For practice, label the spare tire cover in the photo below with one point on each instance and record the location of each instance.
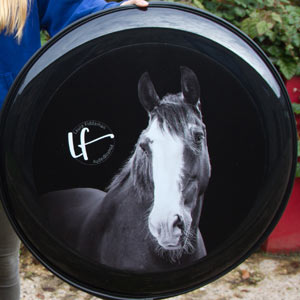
(145, 153)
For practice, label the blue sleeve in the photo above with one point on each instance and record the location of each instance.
(57, 14)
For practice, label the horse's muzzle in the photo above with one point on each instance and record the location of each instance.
(169, 234)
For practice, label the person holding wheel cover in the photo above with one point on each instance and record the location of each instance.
(20, 25)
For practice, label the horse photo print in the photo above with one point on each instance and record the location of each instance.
(148, 217)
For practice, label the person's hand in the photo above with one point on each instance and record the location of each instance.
(139, 3)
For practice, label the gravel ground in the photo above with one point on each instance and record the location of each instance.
(261, 277)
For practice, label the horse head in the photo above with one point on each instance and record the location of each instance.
(172, 163)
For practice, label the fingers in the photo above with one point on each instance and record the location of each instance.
(139, 3)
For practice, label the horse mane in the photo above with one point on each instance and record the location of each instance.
(121, 176)
(175, 114)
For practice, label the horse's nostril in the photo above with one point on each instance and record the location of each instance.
(178, 222)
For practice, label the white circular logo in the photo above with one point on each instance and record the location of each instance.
(91, 142)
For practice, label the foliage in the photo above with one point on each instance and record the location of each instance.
(44, 37)
(296, 109)
(272, 24)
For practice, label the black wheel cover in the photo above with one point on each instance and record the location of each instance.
(90, 71)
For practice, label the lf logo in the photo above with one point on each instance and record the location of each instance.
(100, 143)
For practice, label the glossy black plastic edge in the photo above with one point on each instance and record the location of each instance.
(206, 15)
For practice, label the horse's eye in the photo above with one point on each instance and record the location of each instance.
(145, 147)
(198, 136)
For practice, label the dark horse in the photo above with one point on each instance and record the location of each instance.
(149, 218)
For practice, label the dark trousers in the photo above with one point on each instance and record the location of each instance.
(9, 260)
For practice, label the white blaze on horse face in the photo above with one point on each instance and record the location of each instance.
(167, 166)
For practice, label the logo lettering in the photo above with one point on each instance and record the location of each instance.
(83, 143)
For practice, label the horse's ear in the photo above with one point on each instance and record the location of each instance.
(190, 86)
(147, 94)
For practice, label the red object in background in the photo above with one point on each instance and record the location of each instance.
(285, 238)
(293, 88)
